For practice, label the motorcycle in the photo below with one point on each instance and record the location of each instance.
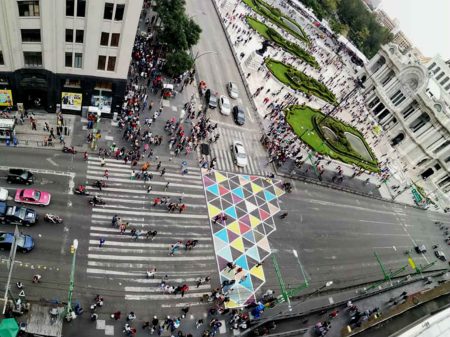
(67, 149)
(99, 184)
(53, 218)
(97, 201)
(287, 187)
(81, 190)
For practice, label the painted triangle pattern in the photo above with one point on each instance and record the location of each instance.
(241, 210)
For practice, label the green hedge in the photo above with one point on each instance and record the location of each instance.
(272, 35)
(275, 15)
(303, 121)
(299, 81)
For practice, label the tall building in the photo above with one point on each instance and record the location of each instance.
(392, 25)
(410, 100)
(383, 19)
(70, 53)
(372, 4)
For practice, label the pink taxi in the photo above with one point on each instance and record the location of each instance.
(32, 196)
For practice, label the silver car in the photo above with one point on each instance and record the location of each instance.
(239, 155)
(232, 90)
(224, 104)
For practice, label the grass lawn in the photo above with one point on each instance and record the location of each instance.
(272, 35)
(301, 119)
(299, 81)
(275, 15)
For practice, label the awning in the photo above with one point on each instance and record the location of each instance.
(9, 327)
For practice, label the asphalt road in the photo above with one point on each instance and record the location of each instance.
(216, 69)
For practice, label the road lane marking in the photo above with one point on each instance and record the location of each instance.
(158, 289)
(161, 183)
(381, 222)
(154, 214)
(105, 191)
(50, 160)
(150, 258)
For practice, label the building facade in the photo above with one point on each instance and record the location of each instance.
(66, 53)
(399, 38)
(409, 100)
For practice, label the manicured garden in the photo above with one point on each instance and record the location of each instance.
(299, 81)
(305, 120)
(277, 17)
(272, 35)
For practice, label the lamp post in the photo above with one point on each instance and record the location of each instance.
(73, 250)
(198, 54)
(10, 265)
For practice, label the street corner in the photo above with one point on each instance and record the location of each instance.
(241, 210)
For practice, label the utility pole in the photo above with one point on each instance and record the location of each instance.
(69, 312)
(10, 265)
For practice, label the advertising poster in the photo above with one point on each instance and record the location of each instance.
(103, 103)
(6, 98)
(71, 101)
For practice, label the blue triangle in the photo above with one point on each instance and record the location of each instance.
(269, 196)
(253, 253)
(239, 192)
(242, 262)
(246, 177)
(247, 283)
(231, 211)
(249, 236)
(214, 189)
(222, 235)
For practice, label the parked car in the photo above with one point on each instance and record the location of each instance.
(20, 176)
(232, 90)
(224, 104)
(420, 249)
(3, 194)
(211, 99)
(25, 243)
(17, 215)
(32, 196)
(238, 115)
(239, 154)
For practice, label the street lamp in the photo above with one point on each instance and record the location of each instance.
(10, 266)
(69, 313)
(204, 53)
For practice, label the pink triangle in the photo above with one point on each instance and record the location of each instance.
(263, 214)
(235, 198)
(223, 190)
(208, 181)
(232, 235)
(245, 219)
(243, 227)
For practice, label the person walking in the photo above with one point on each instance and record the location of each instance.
(149, 189)
(163, 171)
(106, 174)
(284, 215)
(101, 242)
(166, 187)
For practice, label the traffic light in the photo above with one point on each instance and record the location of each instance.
(72, 249)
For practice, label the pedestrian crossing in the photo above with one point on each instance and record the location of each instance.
(257, 159)
(125, 260)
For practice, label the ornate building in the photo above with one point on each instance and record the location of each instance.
(413, 109)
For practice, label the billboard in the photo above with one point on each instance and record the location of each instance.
(6, 98)
(71, 101)
(102, 102)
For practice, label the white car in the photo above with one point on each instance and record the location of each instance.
(3, 194)
(225, 106)
(239, 155)
(232, 90)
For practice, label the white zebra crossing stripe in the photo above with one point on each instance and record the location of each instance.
(170, 269)
(137, 244)
(170, 235)
(106, 190)
(150, 258)
(130, 297)
(158, 290)
(96, 209)
(160, 183)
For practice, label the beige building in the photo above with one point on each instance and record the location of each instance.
(67, 52)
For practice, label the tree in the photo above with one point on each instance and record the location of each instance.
(178, 62)
(192, 31)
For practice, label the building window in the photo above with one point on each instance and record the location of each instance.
(70, 83)
(69, 59)
(111, 63)
(101, 62)
(28, 8)
(79, 36)
(78, 61)
(441, 147)
(70, 7)
(103, 86)
(32, 58)
(2, 62)
(438, 77)
(118, 16)
(81, 8)
(30, 35)
(115, 37)
(108, 13)
(104, 39)
(69, 35)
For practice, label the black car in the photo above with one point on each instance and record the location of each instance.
(20, 176)
(17, 215)
(238, 115)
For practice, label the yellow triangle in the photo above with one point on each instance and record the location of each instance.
(278, 191)
(220, 178)
(213, 210)
(238, 244)
(256, 188)
(234, 227)
(254, 221)
(232, 304)
(258, 272)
